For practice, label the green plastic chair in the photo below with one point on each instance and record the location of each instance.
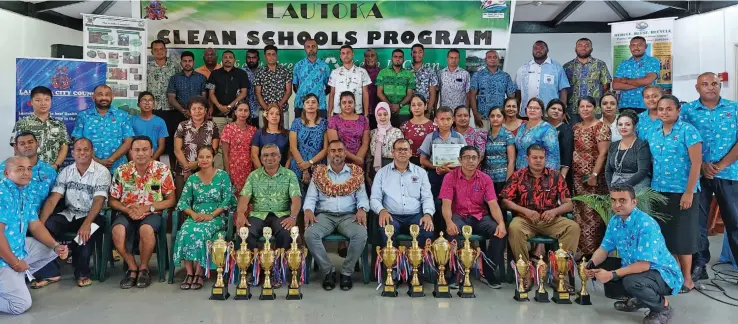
(97, 249)
(549, 242)
(363, 261)
(177, 218)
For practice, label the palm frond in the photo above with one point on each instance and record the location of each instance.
(648, 201)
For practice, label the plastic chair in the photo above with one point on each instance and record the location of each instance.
(97, 247)
(160, 248)
(335, 237)
(176, 216)
(550, 244)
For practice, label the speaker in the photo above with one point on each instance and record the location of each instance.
(66, 51)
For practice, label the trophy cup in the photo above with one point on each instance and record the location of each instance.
(541, 273)
(522, 273)
(294, 261)
(583, 296)
(389, 257)
(415, 258)
(243, 260)
(440, 249)
(467, 256)
(560, 263)
(218, 251)
(266, 257)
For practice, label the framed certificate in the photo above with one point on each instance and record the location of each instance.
(446, 153)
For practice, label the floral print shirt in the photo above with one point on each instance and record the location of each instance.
(271, 194)
(392, 135)
(193, 137)
(51, 135)
(132, 188)
(205, 198)
(157, 81)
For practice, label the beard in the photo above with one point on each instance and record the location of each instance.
(586, 55)
(252, 65)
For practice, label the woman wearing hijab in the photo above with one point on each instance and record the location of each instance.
(382, 139)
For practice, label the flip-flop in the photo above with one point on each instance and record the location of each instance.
(685, 290)
(40, 283)
(84, 282)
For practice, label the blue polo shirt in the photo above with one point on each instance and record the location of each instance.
(633, 69)
(16, 212)
(43, 176)
(106, 132)
(671, 157)
(646, 125)
(719, 130)
(310, 77)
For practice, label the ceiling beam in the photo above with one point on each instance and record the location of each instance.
(26, 9)
(51, 5)
(618, 9)
(103, 8)
(544, 27)
(568, 10)
(680, 5)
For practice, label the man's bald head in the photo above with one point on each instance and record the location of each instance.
(708, 86)
(18, 169)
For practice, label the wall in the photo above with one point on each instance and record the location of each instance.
(705, 43)
(32, 38)
(560, 48)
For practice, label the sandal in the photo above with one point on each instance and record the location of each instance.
(84, 282)
(144, 278)
(196, 284)
(685, 290)
(129, 280)
(40, 283)
(187, 283)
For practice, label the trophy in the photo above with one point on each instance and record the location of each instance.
(266, 257)
(243, 260)
(415, 258)
(541, 274)
(294, 261)
(522, 273)
(389, 257)
(467, 256)
(440, 249)
(583, 296)
(560, 265)
(218, 250)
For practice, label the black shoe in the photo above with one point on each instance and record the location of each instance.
(144, 278)
(129, 280)
(329, 283)
(699, 273)
(346, 283)
(661, 317)
(629, 305)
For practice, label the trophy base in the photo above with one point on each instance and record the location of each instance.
(541, 297)
(561, 298)
(242, 294)
(521, 296)
(416, 291)
(583, 300)
(441, 291)
(267, 294)
(466, 292)
(294, 293)
(389, 291)
(219, 293)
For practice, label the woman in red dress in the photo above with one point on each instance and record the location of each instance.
(236, 139)
(415, 129)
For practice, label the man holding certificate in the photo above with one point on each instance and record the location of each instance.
(439, 153)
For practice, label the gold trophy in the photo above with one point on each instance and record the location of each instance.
(541, 273)
(522, 274)
(467, 256)
(415, 258)
(218, 251)
(440, 249)
(266, 258)
(389, 257)
(560, 263)
(243, 260)
(294, 261)
(583, 296)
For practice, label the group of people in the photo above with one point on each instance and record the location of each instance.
(365, 127)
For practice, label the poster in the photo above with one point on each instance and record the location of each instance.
(121, 42)
(381, 25)
(72, 83)
(659, 40)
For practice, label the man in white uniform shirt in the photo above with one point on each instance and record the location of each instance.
(349, 77)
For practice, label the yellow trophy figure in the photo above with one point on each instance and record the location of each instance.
(218, 250)
(541, 274)
(583, 296)
(440, 249)
(467, 256)
(294, 261)
(389, 257)
(243, 259)
(266, 258)
(560, 263)
(522, 274)
(415, 258)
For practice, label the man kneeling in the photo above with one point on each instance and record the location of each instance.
(342, 203)
(649, 272)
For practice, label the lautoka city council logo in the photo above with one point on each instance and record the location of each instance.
(61, 79)
(641, 25)
(156, 11)
(493, 5)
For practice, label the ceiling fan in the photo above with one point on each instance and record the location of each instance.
(538, 3)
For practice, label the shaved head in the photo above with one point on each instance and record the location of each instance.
(708, 86)
(14, 161)
(19, 170)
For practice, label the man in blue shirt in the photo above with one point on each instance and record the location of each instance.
(338, 195)
(311, 75)
(148, 124)
(181, 88)
(635, 73)
(108, 128)
(648, 272)
(489, 87)
(541, 78)
(21, 255)
(716, 119)
(43, 174)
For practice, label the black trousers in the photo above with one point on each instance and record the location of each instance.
(57, 224)
(281, 236)
(648, 287)
(485, 227)
(725, 192)
(172, 118)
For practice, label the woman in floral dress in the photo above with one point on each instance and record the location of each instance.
(537, 131)
(236, 139)
(206, 198)
(351, 128)
(307, 140)
(591, 142)
(473, 137)
(191, 134)
(417, 127)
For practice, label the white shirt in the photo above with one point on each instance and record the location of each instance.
(354, 80)
(613, 130)
(79, 190)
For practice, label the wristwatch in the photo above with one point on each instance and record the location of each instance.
(364, 209)
(311, 162)
(152, 209)
(615, 276)
(594, 174)
(293, 217)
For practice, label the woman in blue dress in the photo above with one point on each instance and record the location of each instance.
(537, 131)
(307, 140)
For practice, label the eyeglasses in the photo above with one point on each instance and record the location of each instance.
(470, 158)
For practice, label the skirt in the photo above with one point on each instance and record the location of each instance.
(682, 231)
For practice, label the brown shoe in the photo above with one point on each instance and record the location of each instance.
(144, 278)
(129, 280)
